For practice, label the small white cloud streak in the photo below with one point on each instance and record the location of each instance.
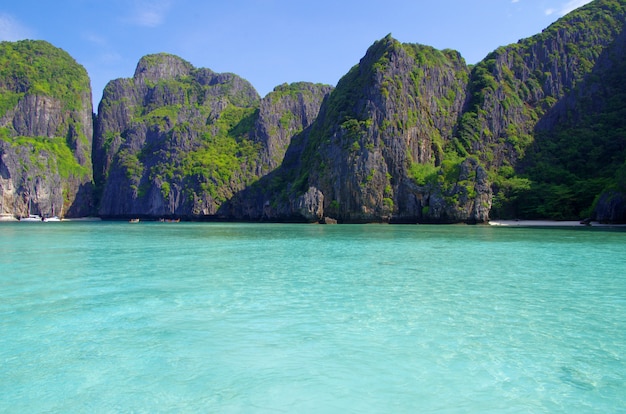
(95, 39)
(109, 58)
(12, 30)
(150, 13)
(572, 5)
(567, 7)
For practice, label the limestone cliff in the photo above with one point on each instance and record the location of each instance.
(410, 134)
(170, 140)
(541, 115)
(45, 132)
(283, 113)
(179, 141)
(387, 117)
(355, 163)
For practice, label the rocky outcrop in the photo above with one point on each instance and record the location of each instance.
(152, 147)
(285, 112)
(547, 109)
(45, 132)
(410, 134)
(354, 164)
(390, 113)
(180, 141)
(611, 207)
(517, 90)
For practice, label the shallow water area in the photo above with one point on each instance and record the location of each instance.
(227, 317)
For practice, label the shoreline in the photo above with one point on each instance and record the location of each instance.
(11, 219)
(549, 223)
(497, 223)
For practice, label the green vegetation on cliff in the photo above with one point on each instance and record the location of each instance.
(410, 133)
(49, 155)
(225, 156)
(186, 137)
(45, 128)
(533, 131)
(38, 68)
(573, 163)
(545, 115)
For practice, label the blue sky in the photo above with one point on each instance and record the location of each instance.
(268, 42)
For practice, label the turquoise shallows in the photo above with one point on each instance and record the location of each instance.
(205, 317)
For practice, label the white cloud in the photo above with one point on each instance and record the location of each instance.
(514, 1)
(12, 30)
(567, 7)
(572, 5)
(95, 39)
(109, 58)
(150, 13)
(105, 55)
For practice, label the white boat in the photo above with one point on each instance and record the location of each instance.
(38, 218)
(32, 217)
(53, 217)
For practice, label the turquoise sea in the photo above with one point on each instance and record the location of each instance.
(107, 317)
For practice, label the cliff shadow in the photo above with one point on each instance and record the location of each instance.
(272, 197)
(83, 204)
(579, 150)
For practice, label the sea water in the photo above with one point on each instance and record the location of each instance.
(207, 317)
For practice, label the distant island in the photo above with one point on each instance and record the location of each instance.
(411, 134)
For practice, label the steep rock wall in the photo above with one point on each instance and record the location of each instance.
(283, 113)
(390, 113)
(166, 141)
(179, 141)
(46, 132)
(410, 134)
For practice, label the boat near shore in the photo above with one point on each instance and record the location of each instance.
(31, 218)
(37, 218)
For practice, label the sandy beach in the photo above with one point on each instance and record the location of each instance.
(11, 218)
(549, 223)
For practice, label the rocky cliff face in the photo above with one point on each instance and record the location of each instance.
(410, 134)
(45, 132)
(285, 112)
(531, 110)
(387, 117)
(179, 141)
(157, 136)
